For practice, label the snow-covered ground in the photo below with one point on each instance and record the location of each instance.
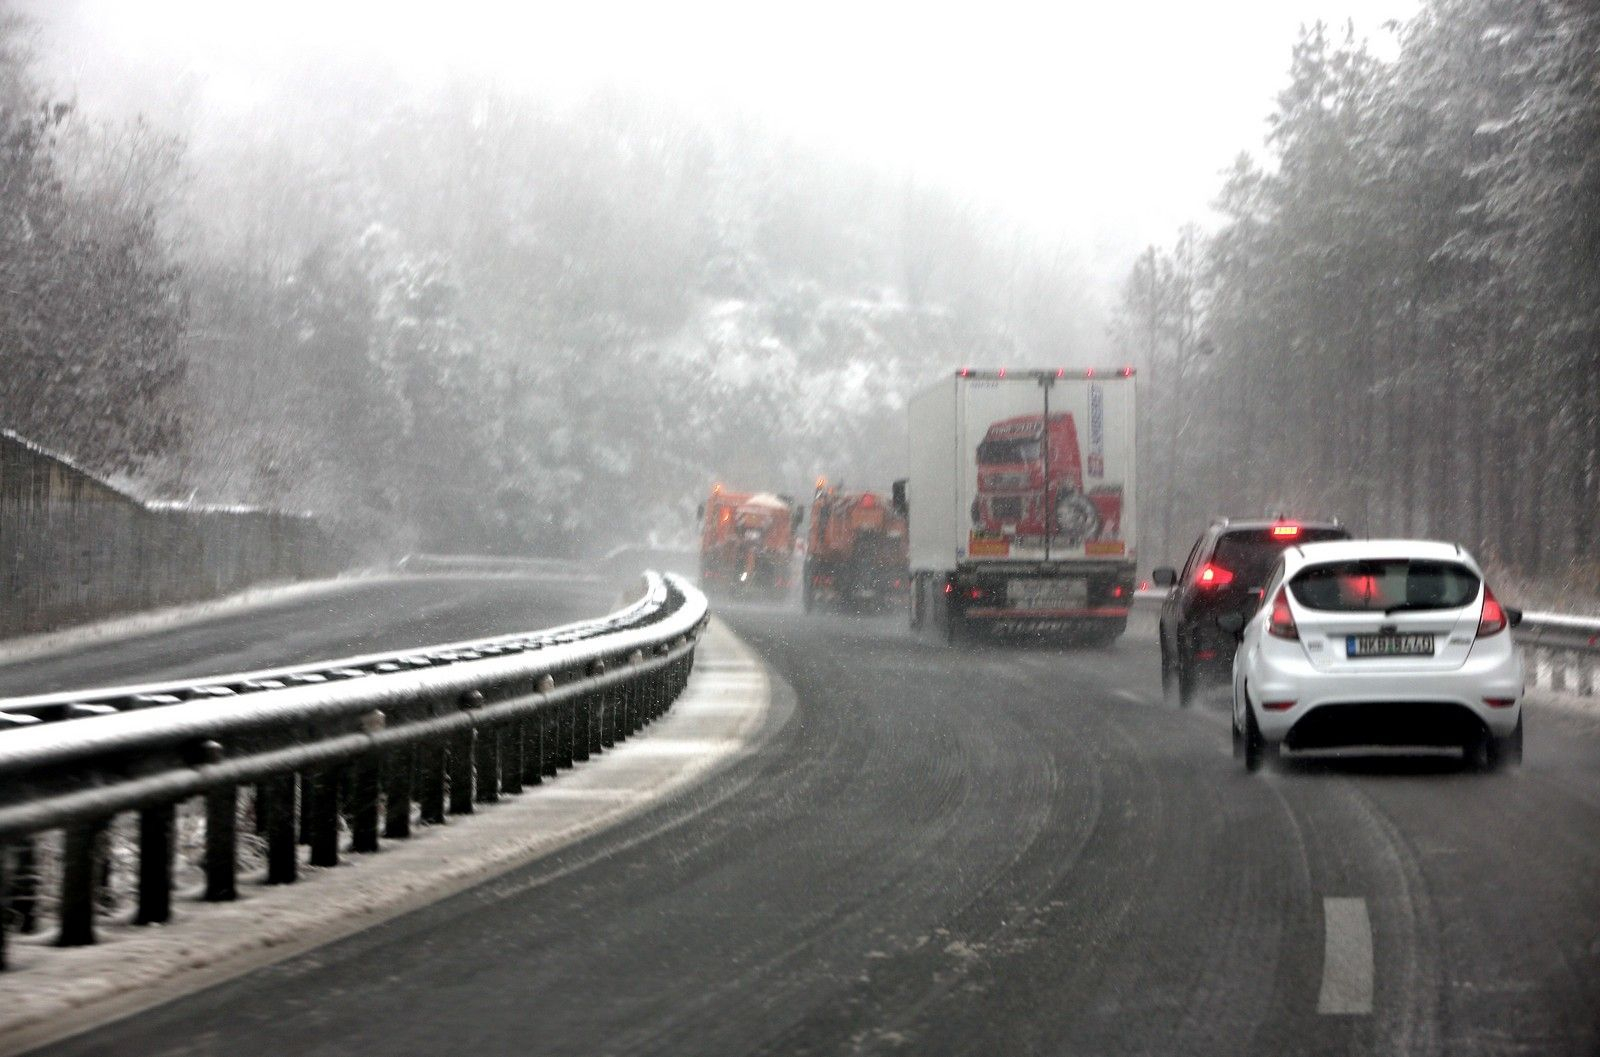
(51, 993)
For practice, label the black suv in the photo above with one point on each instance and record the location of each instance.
(1225, 573)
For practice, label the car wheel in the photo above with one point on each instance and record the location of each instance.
(1257, 751)
(1168, 678)
(1233, 728)
(1188, 682)
(1496, 754)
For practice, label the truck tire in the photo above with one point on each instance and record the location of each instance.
(917, 605)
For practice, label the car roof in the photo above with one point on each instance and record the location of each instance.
(1297, 558)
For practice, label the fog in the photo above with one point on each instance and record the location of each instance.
(529, 279)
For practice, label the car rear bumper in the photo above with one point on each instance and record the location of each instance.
(1387, 708)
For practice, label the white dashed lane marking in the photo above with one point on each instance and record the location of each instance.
(1346, 957)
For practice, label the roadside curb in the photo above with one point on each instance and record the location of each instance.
(51, 994)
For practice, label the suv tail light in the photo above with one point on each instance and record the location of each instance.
(1493, 620)
(1213, 576)
(1282, 622)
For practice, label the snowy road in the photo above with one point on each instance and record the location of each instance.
(988, 852)
(332, 620)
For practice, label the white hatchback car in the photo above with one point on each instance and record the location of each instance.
(1377, 642)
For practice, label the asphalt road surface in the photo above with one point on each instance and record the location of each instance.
(988, 852)
(363, 616)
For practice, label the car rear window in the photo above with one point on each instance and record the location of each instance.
(1386, 584)
(1250, 554)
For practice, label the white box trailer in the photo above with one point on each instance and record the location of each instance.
(1021, 502)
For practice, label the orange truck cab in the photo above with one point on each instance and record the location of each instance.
(746, 542)
(856, 554)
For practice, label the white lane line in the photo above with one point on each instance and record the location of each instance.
(1129, 695)
(1346, 957)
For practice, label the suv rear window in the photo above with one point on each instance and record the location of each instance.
(1250, 554)
(1385, 584)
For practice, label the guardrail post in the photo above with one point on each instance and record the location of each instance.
(307, 799)
(155, 865)
(460, 767)
(433, 759)
(325, 817)
(566, 734)
(533, 749)
(582, 726)
(24, 891)
(282, 851)
(487, 766)
(1558, 670)
(364, 813)
(222, 861)
(397, 792)
(80, 882)
(513, 739)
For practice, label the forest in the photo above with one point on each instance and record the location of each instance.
(1397, 319)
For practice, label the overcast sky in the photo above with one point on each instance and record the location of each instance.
(1107, 121)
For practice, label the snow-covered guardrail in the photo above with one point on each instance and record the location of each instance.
(292, 758)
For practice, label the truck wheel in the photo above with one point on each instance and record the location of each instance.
(1496, 754)
(915, 595)
(954, 623)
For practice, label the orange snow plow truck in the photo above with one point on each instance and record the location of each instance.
(856, 554)
(746, 542)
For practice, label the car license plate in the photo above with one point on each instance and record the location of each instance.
(1047, 594)
(1388, 645)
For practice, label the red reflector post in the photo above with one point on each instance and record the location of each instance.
(1282, 623)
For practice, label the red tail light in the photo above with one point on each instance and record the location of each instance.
(869, 500)
(1493, 620)
(1213, 576)
(1282, 622)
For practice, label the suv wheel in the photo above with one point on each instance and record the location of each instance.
(1186, 679)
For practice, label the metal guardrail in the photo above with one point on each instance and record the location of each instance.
(472, 721)
(18, 712)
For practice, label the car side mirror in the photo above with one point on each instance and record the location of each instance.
(1164, 576)
(1513, 616)
(1232, 623)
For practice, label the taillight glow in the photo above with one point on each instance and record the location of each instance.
(1116, 592)
(1282, 623)
(1493, 620)
(975, 593)
(1213, 576)
(1285, 532)
(869, 500)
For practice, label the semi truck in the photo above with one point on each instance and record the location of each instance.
(747, 542)
(1021, 503)
(855, 552)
